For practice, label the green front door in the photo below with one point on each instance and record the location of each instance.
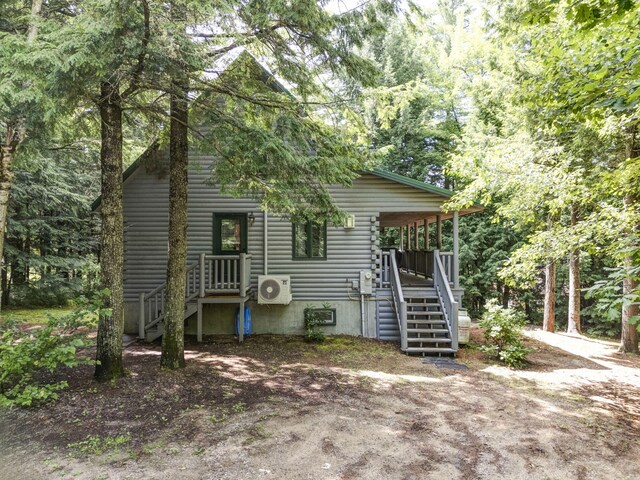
(229, 233)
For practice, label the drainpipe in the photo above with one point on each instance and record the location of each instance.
(362, 313)
(456, 251)
(265, 217)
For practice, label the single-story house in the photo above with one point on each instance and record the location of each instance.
(240, 256)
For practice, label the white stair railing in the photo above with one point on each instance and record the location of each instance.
(447, 300)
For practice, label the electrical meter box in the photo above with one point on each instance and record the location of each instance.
(366, 282)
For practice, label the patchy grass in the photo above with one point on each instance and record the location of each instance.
(33, 316)
(95, 445)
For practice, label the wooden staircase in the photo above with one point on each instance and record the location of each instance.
(427, 315)
(427, 331)
(212, 279)
(156, 330)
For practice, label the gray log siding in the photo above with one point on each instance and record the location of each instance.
(348, 250)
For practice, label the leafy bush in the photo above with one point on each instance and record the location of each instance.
(609, 300)
(503, 334)
(312, 320)
(24, 353)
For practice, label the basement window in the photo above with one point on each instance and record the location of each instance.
(321, 316)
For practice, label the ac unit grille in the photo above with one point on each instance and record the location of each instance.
(274, 290)
(270, 289)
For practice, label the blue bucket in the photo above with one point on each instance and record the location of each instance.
(247, 321)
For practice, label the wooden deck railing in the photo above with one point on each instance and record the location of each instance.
(398, 301)
(417, 262)
(447, 264)
(210, 275)
(384, 273)
(441, 282)
(224, 274)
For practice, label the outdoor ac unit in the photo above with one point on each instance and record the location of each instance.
(274, 289)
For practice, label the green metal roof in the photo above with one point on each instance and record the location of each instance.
(427, 187)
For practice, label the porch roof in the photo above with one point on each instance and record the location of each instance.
(397, 219)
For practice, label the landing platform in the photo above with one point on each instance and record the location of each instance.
(409, 280)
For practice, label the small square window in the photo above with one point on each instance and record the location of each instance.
(310, 241)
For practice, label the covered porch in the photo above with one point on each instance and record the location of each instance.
(415, 237)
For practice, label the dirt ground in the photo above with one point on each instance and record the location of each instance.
(278, 408)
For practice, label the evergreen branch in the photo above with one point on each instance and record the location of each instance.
(247, 41)
(139, 69)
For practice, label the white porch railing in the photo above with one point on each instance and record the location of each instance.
(447, 300)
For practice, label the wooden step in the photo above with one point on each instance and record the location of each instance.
(427, 330)
(424, 313)
(429, 340)
(429, 350)
(190, 309)
(422, 321)
(154, 332)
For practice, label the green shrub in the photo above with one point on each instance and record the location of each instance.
(27, 352)
(503, 334)
(312, 320)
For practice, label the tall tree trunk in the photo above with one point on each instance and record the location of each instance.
(573, 323)
(173, 337)
(111, 327)
(14, 135)
(506, 294)
(629, 338)
(6, 286)
(6, 180)
(549, 319)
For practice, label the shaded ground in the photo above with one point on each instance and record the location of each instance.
(276, 407)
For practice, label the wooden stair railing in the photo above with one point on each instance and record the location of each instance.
(210, 275)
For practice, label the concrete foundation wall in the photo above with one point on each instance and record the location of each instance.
(278, 319)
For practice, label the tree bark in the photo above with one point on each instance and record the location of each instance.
(629, 337)
(173, 337)
(573, 321)
(506, 294)
(14, 135)
(111, 327)
(6, 180)
(549, 318)
(548, 323)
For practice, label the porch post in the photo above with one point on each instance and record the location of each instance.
(242, 266)
(241, 321)
(401, 246)
(199, 325)
(439, 232)
(426, 234)
(202, 275)
(415, 233)
(408, 236)
(141, 316)
(456, 251)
